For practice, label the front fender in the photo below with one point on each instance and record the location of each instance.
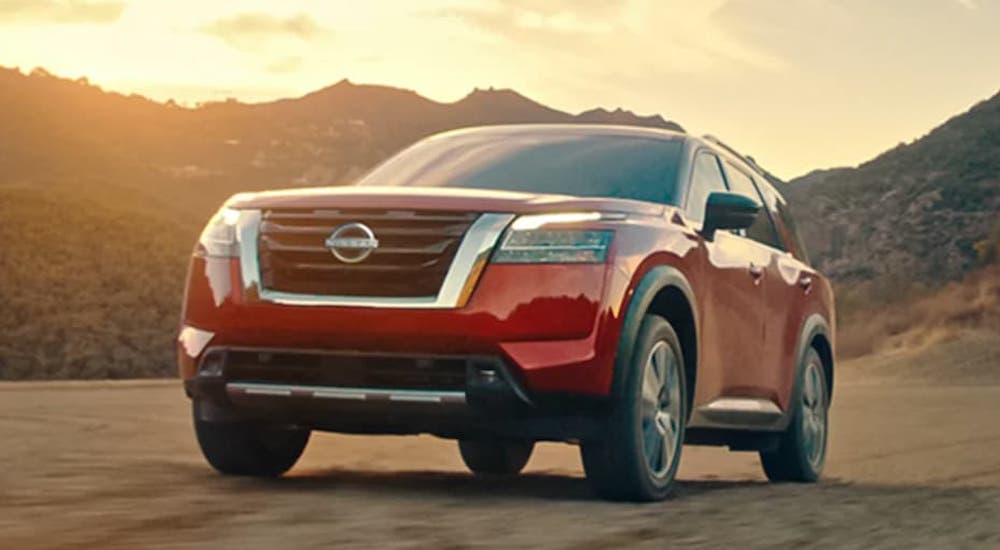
(652, 282)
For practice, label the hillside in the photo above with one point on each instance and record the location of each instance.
(959, 308)
(912, 214)
(91, 277)
(64, 128)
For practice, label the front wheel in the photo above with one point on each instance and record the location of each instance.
(249, 448)
(801, 451)
(637, 456)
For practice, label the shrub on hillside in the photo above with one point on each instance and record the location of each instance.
(988, 249)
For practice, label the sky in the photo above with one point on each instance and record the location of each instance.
(798, 84)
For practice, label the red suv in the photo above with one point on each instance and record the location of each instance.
(624, 289)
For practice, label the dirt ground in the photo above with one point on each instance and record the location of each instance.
(913, 463)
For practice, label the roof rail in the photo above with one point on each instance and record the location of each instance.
(745, 158)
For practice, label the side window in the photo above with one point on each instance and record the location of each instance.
(789, 229)
(763, 229)
(706, 178)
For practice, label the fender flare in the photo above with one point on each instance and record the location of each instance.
(655, 280)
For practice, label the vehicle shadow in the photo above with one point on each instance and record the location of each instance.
(538, 485)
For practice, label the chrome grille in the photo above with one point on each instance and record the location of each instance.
(415, 250)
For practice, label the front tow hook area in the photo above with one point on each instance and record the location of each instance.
(490, 387)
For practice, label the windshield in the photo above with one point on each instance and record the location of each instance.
(566, 163)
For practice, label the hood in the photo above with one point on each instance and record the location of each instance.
(436, 198)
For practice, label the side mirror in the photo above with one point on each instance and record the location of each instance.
(728, 211)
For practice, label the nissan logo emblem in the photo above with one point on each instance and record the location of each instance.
(352, 242)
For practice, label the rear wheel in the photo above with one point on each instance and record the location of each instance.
(801, 452)
(637, 456)
(494, 456)
(249, 448)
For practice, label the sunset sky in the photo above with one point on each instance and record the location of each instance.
(799, 84)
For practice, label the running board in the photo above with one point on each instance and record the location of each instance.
(238, 390)
(738, 413)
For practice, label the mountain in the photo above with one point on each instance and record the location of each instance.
(66, 127)
(620, 116)
(912, 215)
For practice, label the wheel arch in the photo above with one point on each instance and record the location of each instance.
(821, 343)
(665, 291)
(815, 334)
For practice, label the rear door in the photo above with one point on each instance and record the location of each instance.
(731, 297)
(787, 298)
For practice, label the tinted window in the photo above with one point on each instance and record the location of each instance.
(539, 162)
(762, 230)
(790, 230)
(706, 178)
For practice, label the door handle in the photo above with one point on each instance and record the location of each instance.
(756, 272)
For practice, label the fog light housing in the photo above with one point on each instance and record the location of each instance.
(212, 365)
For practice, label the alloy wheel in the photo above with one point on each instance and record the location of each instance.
(814, 412)
(661, 409)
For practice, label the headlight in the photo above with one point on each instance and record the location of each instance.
(532, 239)
(218, 239)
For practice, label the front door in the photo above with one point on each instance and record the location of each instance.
(734, 278)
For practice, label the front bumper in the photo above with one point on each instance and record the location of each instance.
(548, 325)
(450, 396)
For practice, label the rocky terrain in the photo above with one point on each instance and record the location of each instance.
(914, 214)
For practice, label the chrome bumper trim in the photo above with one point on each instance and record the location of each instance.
(475, 249)
(277, 392)
(240, 389)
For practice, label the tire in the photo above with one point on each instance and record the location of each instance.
(249, 449)
(637, 455)
(492, 456)
(801, 452)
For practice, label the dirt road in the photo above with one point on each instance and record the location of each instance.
(913, 462)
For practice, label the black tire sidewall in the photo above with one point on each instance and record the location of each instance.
(495, 456)
(247, 448)
(810, 472)
(788, 462)
(652, 330)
